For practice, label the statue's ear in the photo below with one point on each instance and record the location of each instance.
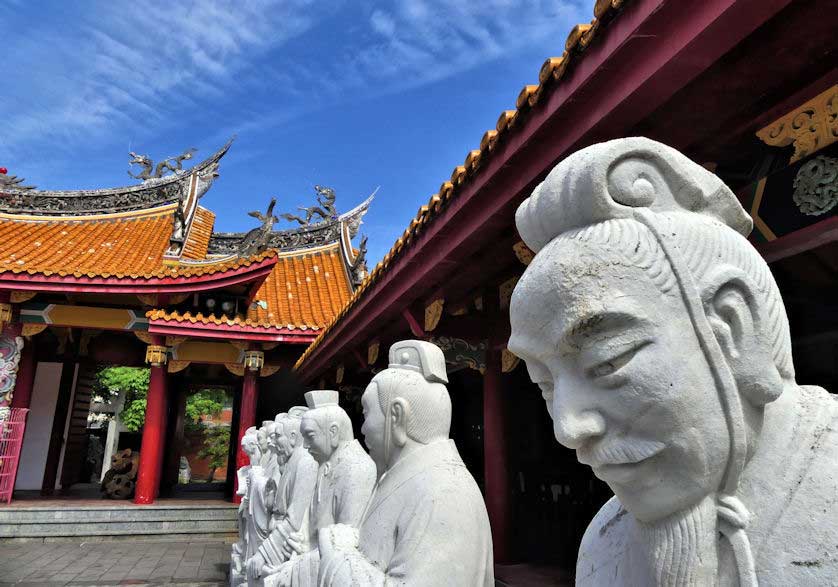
(729, 303)
(735, 316)
(334, 434)
(399, 414)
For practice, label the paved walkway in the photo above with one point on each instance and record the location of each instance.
(115, 563)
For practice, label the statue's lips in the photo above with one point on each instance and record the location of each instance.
(617, 461)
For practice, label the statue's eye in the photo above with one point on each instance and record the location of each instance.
(614, 364)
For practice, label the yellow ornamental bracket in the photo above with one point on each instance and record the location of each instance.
(508, 361)
(254, 360)
(810, 127)
(155, 355)
(372, 352)
(433, 313)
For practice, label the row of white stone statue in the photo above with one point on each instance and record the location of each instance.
(317, 509)
(660, 342)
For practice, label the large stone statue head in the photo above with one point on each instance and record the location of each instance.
(325, 426)
(250, 445)
(273, 438)
(654, 329)
(288, 435)
(262, 436)
(407, 403)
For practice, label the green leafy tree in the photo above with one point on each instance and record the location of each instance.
(216, 443)
(207, 402)
(133, 381)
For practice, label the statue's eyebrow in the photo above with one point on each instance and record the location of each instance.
(597, 323)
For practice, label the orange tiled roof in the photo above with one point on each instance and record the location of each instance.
(305, 290)
(199, 235)
(550, 75)
(119, 245)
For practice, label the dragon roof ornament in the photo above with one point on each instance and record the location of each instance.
(308, 235)
(171, 186)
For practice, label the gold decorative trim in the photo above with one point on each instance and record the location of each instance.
(31, 329)
(177, 366)
(433, 312)
(254, 360)
(147, 299)
(174, 341)
(372, 352)
(810, 127)
(508, 361)
(156, 355)
(18, 297)
(523, 252)
(143, 336)
(505, 291)
(758, 221)
(235, 368)
(5, 314)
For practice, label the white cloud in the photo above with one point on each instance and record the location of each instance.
(134, 65)
(136, 71)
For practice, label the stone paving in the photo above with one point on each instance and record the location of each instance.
(115, 563)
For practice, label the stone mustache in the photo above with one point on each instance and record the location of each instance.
(327, 513)
(660, 343)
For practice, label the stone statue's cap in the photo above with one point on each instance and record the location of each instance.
(251, 430)
(420, 356)
(297, 412)
(613, 179)
(281, 416)
(320, 398)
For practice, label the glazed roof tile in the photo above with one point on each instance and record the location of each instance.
(305, 290)
(109, 246)
(199, 235)
(550, 76)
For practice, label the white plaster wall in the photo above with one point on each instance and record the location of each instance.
(33, 457)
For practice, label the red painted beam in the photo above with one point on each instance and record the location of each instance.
(70, 283)
(649, 52)
(799, 241)
(229, 332)
(415, 328)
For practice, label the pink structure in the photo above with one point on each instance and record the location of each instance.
(11, 439)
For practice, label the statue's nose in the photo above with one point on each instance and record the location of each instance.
(575, 420)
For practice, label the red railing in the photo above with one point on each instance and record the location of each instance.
(11, 439)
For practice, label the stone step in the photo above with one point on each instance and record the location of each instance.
(116, 521)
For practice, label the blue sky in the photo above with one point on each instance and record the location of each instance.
(349, 94)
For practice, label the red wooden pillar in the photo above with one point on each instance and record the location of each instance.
(154, 429)
(22, 395)
(495, 455)
(247, 418)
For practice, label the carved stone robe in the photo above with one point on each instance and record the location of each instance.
(239, 550)
(344, 486)
(790, 487)
(292, 500)
(426, 525)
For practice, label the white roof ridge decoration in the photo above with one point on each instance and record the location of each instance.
(153, 192)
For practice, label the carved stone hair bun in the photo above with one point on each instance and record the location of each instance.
(613, 180)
